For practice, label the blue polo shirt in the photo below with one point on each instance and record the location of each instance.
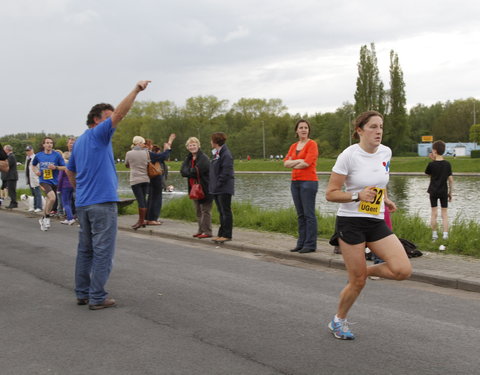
(92, 161)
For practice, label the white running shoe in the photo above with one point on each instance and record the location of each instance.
(68, 222)
(37, 210)
(46, 222)
(42, 224)
(30, 210)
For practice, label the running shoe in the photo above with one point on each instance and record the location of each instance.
(46, 222)
(42, 224)
(68, 222)
(341, 330)
(37, 210)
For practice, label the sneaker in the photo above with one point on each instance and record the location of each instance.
(30, 210)
(46, 222)
(37, 210)
(42, 224)
(341, 330)
(108, 302)
(68, 222)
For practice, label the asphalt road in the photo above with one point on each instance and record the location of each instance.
(192, 309)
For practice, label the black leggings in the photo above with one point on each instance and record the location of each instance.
(140, 191)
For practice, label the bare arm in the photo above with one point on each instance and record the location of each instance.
(450, 188)
(392, 207)
(71, 177)
(125, 105)
(334, 192)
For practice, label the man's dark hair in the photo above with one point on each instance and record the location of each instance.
(439, 146)
(96, 111)
(219, 138)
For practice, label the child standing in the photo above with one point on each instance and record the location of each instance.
(440, 171)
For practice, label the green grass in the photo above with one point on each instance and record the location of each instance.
(399, 164)
(464, 235)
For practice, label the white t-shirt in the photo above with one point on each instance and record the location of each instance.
(363, 169)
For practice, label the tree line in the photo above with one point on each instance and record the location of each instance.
(258, 127)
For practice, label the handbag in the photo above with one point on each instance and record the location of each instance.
(153, 169)
(196, 192)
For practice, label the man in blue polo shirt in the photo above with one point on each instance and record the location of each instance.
(91, 169)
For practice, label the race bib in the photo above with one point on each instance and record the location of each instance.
(47, 174)
(373, 208)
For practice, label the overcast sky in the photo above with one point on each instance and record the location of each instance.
(59, 57)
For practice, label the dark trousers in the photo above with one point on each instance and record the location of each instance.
(140, 191)
(154, 202)
(224, 207)
(12, 191)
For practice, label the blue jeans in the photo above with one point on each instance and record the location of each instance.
(140, 191)
(304, 194)
(96, 247)
(66, 195)
(37, 197)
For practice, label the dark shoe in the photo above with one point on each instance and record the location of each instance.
(109, 302)
(82, 301)
(221, 239)
(296, 249)
(203, 235)
(305, 250)
(10, 206)
(138, 225)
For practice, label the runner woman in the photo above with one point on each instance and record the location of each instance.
(363, 171)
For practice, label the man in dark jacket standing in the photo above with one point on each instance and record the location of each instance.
(11, 177)
(221, 185)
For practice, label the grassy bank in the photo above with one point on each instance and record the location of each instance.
(399, 164)
(464, 235)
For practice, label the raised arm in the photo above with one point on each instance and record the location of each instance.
(125, 105)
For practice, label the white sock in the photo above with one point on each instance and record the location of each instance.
(445, 234)
(336, 319)
(434, 233)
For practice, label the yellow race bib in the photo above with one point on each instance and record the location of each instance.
(47, 174)
(373, 208)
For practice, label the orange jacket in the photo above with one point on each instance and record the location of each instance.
(309, 154)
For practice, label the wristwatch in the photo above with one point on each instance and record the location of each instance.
(355, 197)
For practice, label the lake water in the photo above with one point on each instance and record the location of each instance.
(269, 190)
(272, 190)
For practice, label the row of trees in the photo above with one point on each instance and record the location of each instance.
(263, 127)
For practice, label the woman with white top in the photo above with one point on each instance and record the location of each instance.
(359, 183)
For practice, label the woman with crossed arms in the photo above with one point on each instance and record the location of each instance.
(363, 169)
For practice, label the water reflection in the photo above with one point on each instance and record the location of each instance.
(273, 191)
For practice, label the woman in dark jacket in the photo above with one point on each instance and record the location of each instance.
(197, 164)
(222, 185)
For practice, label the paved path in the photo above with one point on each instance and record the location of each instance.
(447, 270)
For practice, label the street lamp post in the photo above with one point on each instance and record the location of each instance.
(263, 131)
